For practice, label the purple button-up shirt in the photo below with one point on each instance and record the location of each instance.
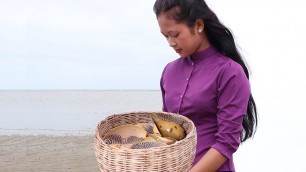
(213, 91)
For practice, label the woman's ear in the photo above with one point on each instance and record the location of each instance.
(199, 26)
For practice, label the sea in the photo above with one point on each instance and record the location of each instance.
(68, 112)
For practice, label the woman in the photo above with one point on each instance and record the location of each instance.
(208, 84)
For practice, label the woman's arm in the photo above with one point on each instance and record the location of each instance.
(210, 162)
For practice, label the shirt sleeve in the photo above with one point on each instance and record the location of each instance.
(233, 96)
(164, 108)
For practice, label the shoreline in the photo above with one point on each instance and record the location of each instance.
(79, 90)
(47, 132)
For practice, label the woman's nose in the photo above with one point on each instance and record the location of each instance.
(171, 42)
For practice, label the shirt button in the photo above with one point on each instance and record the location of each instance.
(181, 96)
(187, 79)
(192, 64)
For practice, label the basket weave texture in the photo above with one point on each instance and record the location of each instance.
(177, 157)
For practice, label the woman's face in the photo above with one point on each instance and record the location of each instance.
(183, 39)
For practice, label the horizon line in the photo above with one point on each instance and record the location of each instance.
(1, 90)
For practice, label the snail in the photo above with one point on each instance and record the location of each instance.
(168, 128)
(124, 134)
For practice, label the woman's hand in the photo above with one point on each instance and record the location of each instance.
(210, 162)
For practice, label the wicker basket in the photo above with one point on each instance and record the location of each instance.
(177, 157)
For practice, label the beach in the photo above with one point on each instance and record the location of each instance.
(47, 153)
(54, 130)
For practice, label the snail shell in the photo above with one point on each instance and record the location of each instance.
(124, 134)
(126, 131)
(158, 138)
(146, 145)
(168, 128)
(150, 127)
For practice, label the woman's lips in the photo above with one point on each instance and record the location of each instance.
(178, 50)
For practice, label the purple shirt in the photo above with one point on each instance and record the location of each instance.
(213, 91)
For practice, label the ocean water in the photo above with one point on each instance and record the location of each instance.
(68, 112)
(279, 143)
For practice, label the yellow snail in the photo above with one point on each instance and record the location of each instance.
(168, 128)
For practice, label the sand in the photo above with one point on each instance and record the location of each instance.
(34, 126)
(47, 153)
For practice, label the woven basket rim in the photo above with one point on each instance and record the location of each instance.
(97, 136)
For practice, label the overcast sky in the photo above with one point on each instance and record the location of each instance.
(116, 44)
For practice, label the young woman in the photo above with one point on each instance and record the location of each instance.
(208, 84)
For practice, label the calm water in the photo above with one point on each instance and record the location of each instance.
(68, 112)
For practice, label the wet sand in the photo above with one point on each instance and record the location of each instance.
(47, 153)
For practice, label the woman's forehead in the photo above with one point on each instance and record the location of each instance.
(166, 24)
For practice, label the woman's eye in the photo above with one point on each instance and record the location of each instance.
(165, 36)
(171, 35)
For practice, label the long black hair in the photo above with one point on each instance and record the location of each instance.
(189, 11)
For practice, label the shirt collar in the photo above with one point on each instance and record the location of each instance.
(195, 58)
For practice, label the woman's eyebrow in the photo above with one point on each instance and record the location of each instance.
(169, 32)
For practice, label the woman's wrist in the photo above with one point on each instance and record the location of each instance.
(210, 162)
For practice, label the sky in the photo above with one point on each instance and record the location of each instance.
(99, 44)
(80, 45)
